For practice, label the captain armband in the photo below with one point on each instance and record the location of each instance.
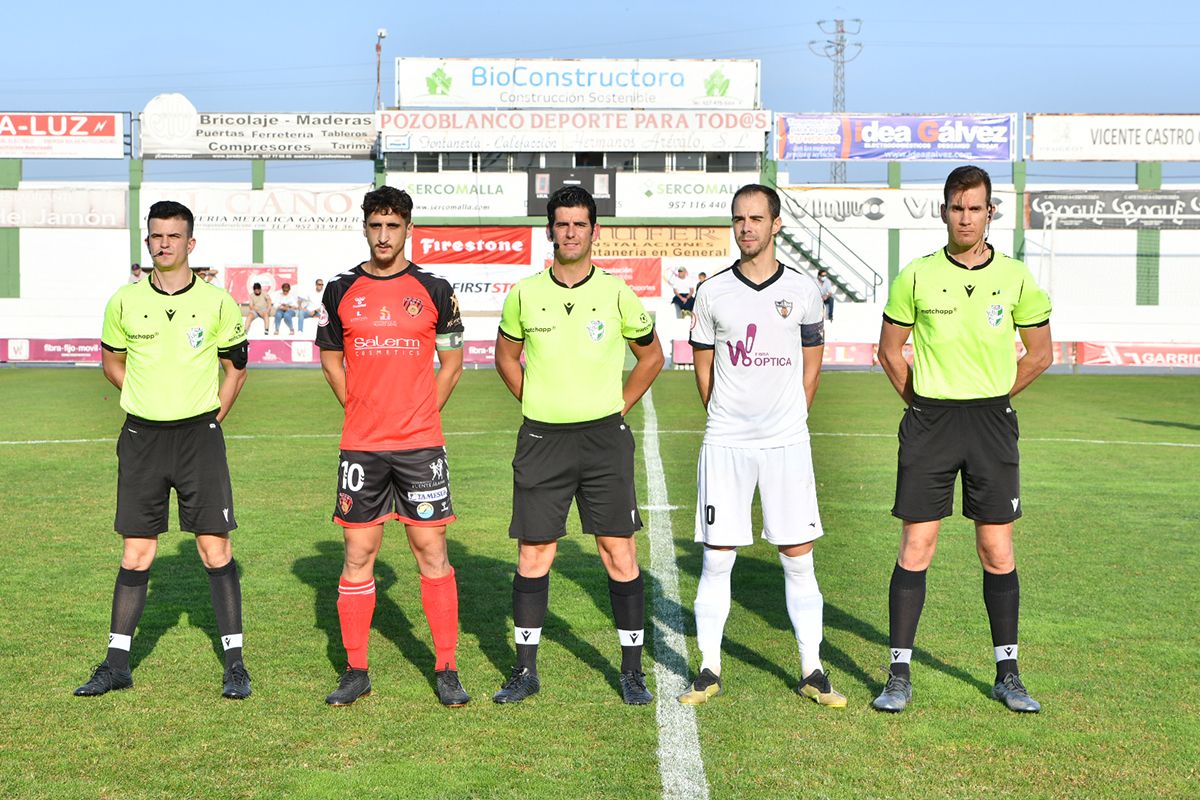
(812, 334)
(239, 354)
(450, 341)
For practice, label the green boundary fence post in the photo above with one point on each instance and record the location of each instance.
(137, 172)
(1149, 177)
(1018, 211)
(10, 238)
(893, 173)
(258, 177)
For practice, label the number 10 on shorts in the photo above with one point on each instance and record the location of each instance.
(353, 476)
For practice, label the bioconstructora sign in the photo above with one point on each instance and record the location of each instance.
(576, 83)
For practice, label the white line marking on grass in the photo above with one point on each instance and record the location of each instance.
(679, 760)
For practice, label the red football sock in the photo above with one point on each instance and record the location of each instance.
(356, 606)
(439, 598)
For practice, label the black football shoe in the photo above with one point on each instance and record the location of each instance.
(450, 690)
(105, 679)
(633, 688)
(521, 684)
(354, 683)
(237, 682)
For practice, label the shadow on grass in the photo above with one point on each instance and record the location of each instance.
(1164, 423)
(758, 588)
(178, 585)
(322, 572)
(484, 602)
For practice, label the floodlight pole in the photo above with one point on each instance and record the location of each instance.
(380, 35)
(835, 50)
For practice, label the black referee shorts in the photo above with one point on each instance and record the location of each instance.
(939, 439)
(187, 455)
(591, 462)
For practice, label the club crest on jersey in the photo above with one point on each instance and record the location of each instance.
(413, 305)
(345, 501)
(195, 337)
(595, 329)
(995, 314)
(784, 307)
(322, 316)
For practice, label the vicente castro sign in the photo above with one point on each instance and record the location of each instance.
(171, 127)
(889, 137)
(575, 83)
(1115, 137)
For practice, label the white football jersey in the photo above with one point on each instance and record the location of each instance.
(758, 332)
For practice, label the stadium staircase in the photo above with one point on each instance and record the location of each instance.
(806, 244)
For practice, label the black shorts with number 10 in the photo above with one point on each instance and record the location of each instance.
(939, 439)
(412, 486)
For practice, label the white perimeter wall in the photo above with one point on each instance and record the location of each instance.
(67, 275)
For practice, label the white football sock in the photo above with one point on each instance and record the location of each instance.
(805, 606)
(712, 605)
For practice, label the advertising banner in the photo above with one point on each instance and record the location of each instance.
(55, 135)
(239, 281)
(575, 83)
(267, 352)
(644, 275)
(1114, 210)
(472, 245)
(480, 352)
(1114, 137)
(269, 209)
(1095, 354)
(662, 241)
(171, 127)
(675, 194)
(482, 287)
(889, 137)
(569, 130)
(63, 208)
(63, 350)
(464, 194)
(879, 208)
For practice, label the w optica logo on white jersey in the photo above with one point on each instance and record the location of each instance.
(740, 352)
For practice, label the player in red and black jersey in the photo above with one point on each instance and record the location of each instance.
(380, 324)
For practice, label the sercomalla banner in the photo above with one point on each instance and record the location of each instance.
(471, 245)
(36, 135)
(922, 137)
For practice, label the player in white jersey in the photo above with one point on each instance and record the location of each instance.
(758, 333)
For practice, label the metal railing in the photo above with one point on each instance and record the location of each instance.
(820, 247)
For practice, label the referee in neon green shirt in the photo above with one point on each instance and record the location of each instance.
(961, 306)
(163, 339)
(573, 323)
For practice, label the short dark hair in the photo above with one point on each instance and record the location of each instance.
(571, 197)
(388, 200)
(968, 177)
(286, 287)
(256, 286)
(169, 209)
(772, 197)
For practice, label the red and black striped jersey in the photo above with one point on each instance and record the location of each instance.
(387, 329)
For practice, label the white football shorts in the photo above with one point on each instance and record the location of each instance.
(725, 482)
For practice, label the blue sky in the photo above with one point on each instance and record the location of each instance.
(916, 57)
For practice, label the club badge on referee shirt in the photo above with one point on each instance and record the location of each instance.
(595, 329)
(195, 337)
(995, 313)
(784, 307)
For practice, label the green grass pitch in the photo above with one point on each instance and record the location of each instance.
(1108, 553)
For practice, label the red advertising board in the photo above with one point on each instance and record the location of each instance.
(58, 135)
(471, 245)
(239, 281)
(1096, 354)
(480, 352)
(644, 275)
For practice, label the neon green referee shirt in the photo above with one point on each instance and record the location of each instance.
(963, 322)
(574, 339)
(171, 344)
